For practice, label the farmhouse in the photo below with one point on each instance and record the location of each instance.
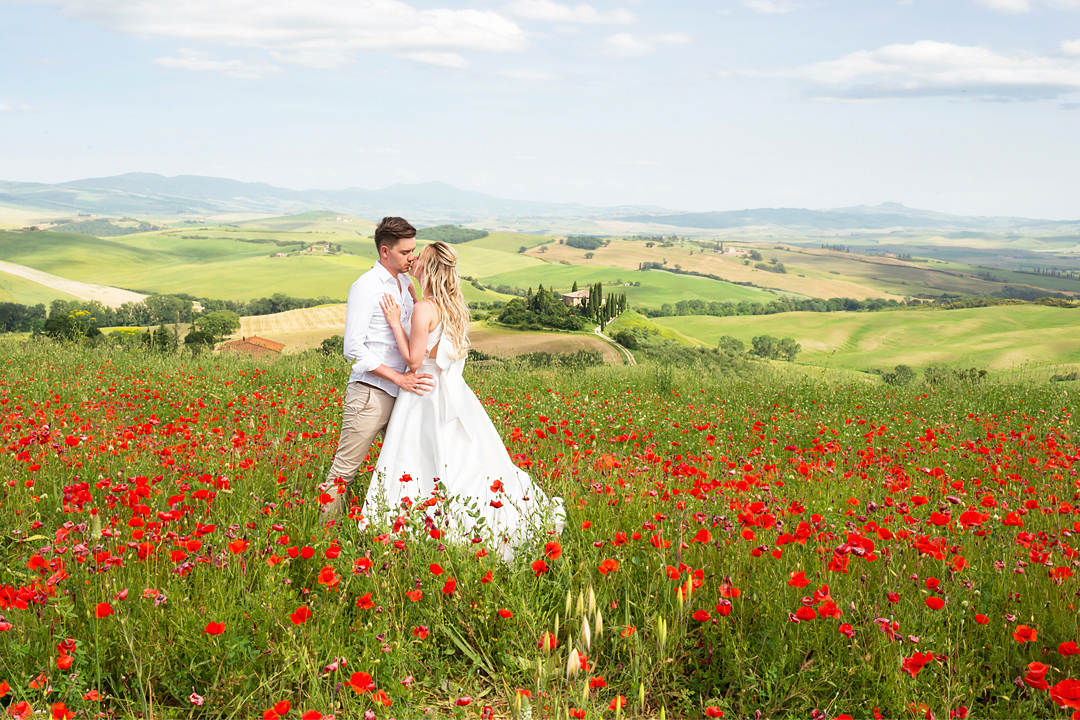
(253, 346)
(576, 298)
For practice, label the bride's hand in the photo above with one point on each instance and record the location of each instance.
(390, 309)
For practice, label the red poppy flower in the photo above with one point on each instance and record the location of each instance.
(364, 602)
(1025, 634)
(798, 579)
(328, 577)
(934, 602)
(608, 565)
(1066, 693)
(806, 613)
(102, 610)
(505, 614)
(312, 715)
(1068, 647)
(553, 550)
(415, 595)
(449, 587)
(1036, 675)
(214, 628)
(421, 632)
(702, 615)
(617, 703)
(59, 711)
(981, 619)
(539, 567)
(914, 664)
(435, 569)
(463, 701)
(361, 682)
(238, 546)
(63, 662)
(300, 615)
(713, 712)
(380, 696)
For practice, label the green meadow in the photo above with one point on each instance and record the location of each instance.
(15, 289)
(993, 337)
(656, 286)
(217, 264)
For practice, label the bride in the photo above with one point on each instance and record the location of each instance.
(443, 463)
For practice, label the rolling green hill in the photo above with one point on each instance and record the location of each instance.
(998, 337)
(27, 292)
(656, 286)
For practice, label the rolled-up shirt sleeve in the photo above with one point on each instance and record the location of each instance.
(361, 305)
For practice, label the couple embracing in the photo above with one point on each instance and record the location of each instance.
(443, 465)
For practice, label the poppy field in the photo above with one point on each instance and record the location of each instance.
(765, 545)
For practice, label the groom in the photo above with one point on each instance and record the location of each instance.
(378, 368)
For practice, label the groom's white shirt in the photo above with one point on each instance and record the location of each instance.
(369, 341)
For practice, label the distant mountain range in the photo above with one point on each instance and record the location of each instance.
(151, 195)
(148, 195)
(860, 217)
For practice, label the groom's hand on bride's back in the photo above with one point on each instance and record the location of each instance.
(414, 382)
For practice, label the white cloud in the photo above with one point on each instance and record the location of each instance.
(4, 107)
(770, 7)
(1023, 6)
(928, 68)
(1071, 47)
(551, 11)
(441, 59)
(318, 33)
(202, 62)
(1009, 6)
(625, 45)
(530, 75)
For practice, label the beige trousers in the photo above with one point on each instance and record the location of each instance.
(366, 413)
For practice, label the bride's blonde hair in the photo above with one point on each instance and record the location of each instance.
(442, 286)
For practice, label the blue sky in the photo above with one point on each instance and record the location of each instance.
(969, 106)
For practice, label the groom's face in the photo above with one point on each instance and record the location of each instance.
(399, 256)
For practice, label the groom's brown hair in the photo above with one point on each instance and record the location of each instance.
(392, 229)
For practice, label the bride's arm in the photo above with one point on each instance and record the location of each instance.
(412, 348)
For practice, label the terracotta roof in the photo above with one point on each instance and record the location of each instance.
(577, 293)
(263, 342)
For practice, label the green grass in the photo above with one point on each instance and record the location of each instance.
(207, 263)
(15, 289)
(509, 242)
(1000, 337)
(657, 287)
(178, 495)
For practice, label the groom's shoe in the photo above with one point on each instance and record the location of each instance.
(333, 509)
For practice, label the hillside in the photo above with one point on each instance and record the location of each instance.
(1007, 336)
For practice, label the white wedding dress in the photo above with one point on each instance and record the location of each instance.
(446, 437)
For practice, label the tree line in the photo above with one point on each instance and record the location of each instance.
(155, 309)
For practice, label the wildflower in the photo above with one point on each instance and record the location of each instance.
(608, 566)
(214, 628)
(1025, 634)
(1066, 693)
(914, 664)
